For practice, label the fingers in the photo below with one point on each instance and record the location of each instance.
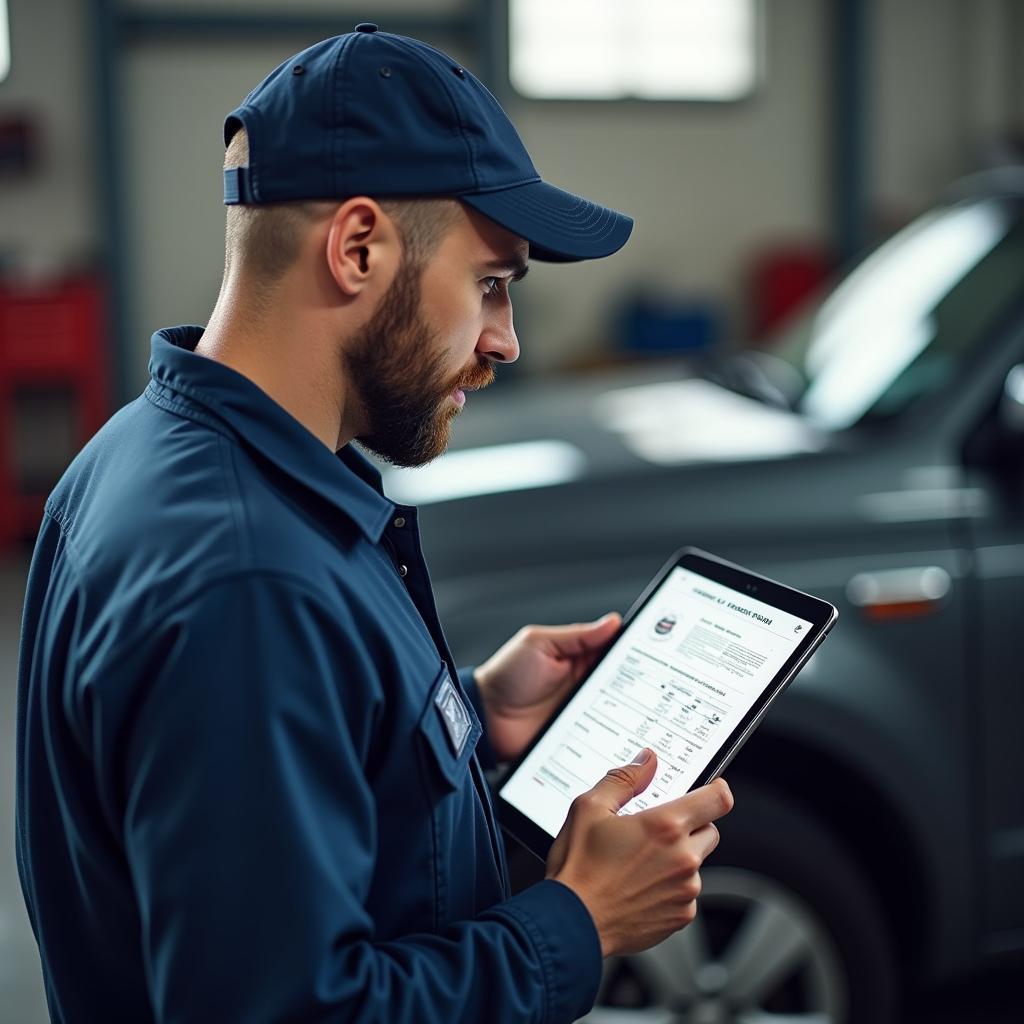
(620, 785)
(702, 806)
(705, 840)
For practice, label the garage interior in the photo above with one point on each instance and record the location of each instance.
(827, 128)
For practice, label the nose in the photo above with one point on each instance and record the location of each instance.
(498, 339)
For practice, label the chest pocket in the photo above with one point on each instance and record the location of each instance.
(447, 734)
(448, 731)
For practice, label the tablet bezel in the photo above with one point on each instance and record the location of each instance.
(819, 613)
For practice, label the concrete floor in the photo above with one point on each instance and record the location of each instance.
(995, 998)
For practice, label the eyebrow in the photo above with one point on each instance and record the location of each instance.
(516, 264)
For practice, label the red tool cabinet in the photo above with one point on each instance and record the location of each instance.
(51, 335)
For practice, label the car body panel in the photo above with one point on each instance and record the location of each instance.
(921, 705)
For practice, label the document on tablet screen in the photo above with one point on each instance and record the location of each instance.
(679, 680)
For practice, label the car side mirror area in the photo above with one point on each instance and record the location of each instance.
(1011, 405)
(998, 441)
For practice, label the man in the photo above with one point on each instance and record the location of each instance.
(250, 781)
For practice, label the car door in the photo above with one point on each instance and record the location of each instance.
(996, 470)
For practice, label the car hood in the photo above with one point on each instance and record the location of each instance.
(611, 424)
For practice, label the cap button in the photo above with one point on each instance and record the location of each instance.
(366, 26)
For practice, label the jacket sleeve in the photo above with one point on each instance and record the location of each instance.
(250, 835)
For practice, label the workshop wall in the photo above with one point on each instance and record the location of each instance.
(707, 184)
(703, 182)
(50, 216)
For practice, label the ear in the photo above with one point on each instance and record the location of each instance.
(363, 247)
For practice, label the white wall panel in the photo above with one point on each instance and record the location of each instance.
(705, 183)
(50, 217)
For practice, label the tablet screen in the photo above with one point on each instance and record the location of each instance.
(679, 679)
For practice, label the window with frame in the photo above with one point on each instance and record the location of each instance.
(5, 41)
(698, 50)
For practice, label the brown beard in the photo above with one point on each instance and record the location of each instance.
(398, 370)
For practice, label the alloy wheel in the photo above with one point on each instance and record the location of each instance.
(756, 954)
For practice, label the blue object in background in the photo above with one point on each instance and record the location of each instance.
(661, 325)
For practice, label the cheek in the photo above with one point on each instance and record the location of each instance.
(459, 325)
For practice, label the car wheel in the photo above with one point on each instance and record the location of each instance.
(787, 932)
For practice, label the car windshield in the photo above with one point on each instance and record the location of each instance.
(902, 322)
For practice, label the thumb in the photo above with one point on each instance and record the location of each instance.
(580, 637)
(594, 635)
(620, 785)
(604, 624)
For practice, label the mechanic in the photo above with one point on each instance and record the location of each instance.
(250, 777)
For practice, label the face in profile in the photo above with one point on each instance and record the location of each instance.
(437, 331)
(401, 370)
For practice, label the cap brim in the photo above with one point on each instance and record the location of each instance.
(560, 227)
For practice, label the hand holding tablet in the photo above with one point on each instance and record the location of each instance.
(697, 661)
(638, 875)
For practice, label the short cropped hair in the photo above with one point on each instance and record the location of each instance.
(265, 238)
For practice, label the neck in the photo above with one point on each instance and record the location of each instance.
(285, 352)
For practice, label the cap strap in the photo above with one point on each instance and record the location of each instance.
(237, 186)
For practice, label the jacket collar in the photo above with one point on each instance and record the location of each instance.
(348, 479)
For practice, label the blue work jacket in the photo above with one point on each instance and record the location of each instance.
(248, 783)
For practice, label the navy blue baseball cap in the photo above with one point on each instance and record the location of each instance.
(371, 113)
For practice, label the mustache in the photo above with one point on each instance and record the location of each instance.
(482, 376)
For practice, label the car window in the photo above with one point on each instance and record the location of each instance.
(900, 324)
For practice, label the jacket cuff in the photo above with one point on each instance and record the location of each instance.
(484, 750)
(561, 930)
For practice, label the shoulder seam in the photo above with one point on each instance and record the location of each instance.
(64, 525)
(239, 513)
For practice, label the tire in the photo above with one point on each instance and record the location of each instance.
(788, 930)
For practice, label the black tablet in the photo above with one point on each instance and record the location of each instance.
(700, 656)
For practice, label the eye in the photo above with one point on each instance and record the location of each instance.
(492, 285)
